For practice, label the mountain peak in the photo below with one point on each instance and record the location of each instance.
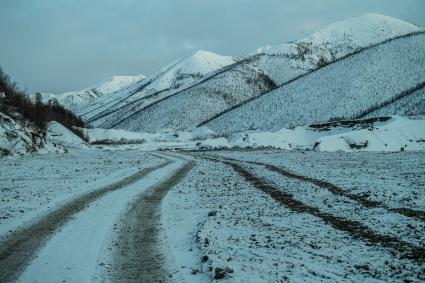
(367, 28)
(204, 62)
(349, 34)
(204, 53)
(117, 82)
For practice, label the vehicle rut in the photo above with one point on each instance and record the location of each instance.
(140, 256)
(354, 228)
(17, 250)
(363, 200)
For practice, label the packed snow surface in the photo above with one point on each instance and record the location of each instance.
(34, 185)
(82, 241)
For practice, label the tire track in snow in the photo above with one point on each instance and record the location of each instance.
(140, 253)
(17, 250)
(354, 228)
(363, 200)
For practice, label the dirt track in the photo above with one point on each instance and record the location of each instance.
(140, 256)
(22, 245)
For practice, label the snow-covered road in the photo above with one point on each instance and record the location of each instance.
(228, 216)
(69, 242)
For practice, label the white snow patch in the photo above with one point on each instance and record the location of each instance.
(396, 134)
(59, 134)
(401, 134)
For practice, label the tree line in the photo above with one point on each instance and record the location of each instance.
(16, 100)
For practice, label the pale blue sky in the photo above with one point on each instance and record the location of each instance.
(61, 45)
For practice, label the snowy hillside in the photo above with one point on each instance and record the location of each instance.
(346, 89)
(287, 61)
(168, 81)
(19, 137)
(138, 109)
(214, 95)
(412, 104)
(76, 100)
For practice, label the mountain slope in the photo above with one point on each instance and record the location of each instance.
(346, 89)
(412, 104)
(199, 102)
(76, 100)
(257, 74)
(285, 62)
(166, 82)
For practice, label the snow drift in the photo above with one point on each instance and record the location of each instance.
(393, 133)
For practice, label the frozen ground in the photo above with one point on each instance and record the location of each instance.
(225, 216)
(249, 224)
(32, 185)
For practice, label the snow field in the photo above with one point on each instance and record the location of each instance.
(408, 229)
(395, 179)
(261, 240)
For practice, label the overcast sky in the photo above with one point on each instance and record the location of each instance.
(61, 45)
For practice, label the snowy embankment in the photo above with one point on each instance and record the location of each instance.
(58, 134)
(392, 133)
(382, 134)
(149, 141)
(19, 137)
(399, 135)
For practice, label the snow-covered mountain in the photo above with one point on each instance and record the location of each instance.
(108, 111)
(76, 100)
(347, 69)
(368, 38)
(351, 88)
(287, 61)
